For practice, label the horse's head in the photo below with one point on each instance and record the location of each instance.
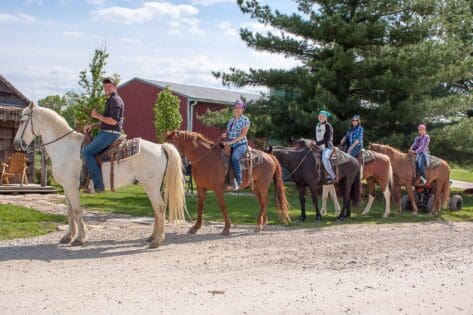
(25, 134)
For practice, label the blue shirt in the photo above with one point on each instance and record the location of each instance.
(234, 128)
(355, 134)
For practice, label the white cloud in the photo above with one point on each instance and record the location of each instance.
(130, 40)
(209, 2)
(228, 28)
(16, 18)
(73, 34)
(258, 27)
(96, 2)
(178, 16)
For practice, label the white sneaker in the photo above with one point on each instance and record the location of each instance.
(235, 184)
(423, 180)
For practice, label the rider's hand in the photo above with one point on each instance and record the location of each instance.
(411, 151)
(95, 114)
(224, 135)
(87, 128)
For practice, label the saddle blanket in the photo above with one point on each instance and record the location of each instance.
(434, 161)
(124, 150)
(367, 156)
(339, 157)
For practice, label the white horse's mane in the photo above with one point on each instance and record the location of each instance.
(52, 119)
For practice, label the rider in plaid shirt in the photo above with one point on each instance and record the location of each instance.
(237, 128)
(354, 137)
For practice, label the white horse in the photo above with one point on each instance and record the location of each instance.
(154, 164)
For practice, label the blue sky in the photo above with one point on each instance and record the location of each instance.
(46, 43)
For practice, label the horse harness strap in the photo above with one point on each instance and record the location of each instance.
(205, 155)
(298, 166)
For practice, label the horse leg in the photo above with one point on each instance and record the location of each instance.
(201, 195)
(74, 200)
(371, 196)
(410, 194)
(325, 195)
(158, 235)
(262, 214)
(315, 202)
(397, 196)
(387, 200)
(333, 195)
(221, 203)
(67, 238)
(301, 190)
(346, 202)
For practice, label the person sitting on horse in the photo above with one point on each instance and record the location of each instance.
(237, 129)
(110, 124)
(354, 137)
(420, 148)
(324, 141)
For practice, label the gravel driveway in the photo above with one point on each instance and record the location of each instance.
(376, 269)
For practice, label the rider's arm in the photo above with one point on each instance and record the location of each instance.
(242, 135)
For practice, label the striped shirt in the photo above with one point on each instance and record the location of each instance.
(421, 144)
(234, 128)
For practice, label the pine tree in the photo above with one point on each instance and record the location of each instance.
(166, 113)
(382, 59)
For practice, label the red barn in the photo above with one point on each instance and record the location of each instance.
(140, 96)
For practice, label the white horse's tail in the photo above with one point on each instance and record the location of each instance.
(390, 178)
(174, 194)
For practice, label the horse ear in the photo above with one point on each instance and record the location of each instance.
(32, 105)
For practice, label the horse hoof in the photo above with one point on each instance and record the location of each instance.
(225, 232)
(65, 240)
(385, 216)
(192, 230)
(150, 239)
(364, 213)
(301, 218)
(258, 229)
(342, 218)
(318, 218)
(153, 244)
(77, 242)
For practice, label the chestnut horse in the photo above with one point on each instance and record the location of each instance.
(208, 171)
(404, 175)
(378, 171)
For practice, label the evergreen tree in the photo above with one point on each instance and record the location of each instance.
(388, 60)
(166, 113)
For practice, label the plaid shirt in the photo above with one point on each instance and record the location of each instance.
(234, 128)
(355, 134)
(421, 144)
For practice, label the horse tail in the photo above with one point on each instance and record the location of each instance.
(390, 177)
(280, 193)
(174, 194)
(355, 191)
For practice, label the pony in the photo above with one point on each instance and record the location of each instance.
(378, 171)
(303, 167)
(153, 166)
(208, 171)
(404, 174)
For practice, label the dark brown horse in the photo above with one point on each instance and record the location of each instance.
(208, 171)
(307, 171)
(404, 174)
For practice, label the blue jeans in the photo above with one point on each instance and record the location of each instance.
(98, 144)
(237, 153)
(422, 160)
(326, 162)
(356, 150)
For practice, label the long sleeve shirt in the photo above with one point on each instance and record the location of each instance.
(421, 144)
(324, 135)
(355, 134)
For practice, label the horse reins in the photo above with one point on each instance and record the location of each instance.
(30, 119)
(203, 156)
(298, 165)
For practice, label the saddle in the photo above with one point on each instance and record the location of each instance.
(251, 159)
(338, 157)
(119, 150)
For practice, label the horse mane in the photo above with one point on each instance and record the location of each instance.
(388, 147)
(191, 135)
(53, 119)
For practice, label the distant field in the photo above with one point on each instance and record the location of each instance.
(461, 174)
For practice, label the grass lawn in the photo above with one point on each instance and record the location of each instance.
(244, 208)
(16, 222)
(461, 174)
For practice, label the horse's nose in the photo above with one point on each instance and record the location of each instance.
(17, 144)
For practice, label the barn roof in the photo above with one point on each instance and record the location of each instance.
(202, 94)
(14, 90)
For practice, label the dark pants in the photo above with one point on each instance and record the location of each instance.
(355, 151)
(98, 144)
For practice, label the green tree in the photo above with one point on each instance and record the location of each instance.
(55, 102)
(167, 116)
(382, 59)
(91, 96)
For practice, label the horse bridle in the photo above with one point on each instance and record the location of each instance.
(30, 119)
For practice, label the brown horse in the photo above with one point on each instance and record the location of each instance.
(378, 171)
(404, 175)
(208, 171)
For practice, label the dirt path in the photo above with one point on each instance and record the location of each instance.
(378, 269)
